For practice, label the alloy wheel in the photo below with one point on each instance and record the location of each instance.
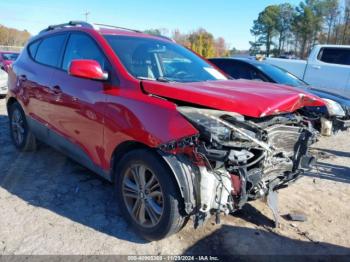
(143, 195)
(18, 126)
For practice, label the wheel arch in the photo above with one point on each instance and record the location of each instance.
(120, 151)
(10, 102)
(183, 171)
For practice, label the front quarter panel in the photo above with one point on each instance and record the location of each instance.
(133, 116)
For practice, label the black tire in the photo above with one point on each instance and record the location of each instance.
(172, 219)
(28, 143)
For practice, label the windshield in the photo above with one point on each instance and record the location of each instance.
(281, 76)
(9, 56)
(154, 59)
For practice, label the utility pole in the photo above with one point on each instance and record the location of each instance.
(86, 14)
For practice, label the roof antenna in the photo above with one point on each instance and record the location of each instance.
(86, 14)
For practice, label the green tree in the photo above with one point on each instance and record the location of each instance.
(153, 32)
(233, 51)
(255, 48)
(284, 24)
(265, 27)
(318, 12)
(304, 26)
(331, 12)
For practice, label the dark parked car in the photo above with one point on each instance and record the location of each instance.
(6, 59)
(175, 136)
(337, 108)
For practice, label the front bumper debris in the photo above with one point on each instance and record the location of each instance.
(220, 174)
(341, 124)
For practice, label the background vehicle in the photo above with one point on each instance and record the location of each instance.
(6, 59)
(327, 68)
(3, 84)
(176, 137)
(337, 109)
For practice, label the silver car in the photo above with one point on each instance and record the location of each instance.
(3, 83)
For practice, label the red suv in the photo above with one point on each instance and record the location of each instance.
(175, 136)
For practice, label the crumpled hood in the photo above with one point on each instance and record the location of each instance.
(249, 98)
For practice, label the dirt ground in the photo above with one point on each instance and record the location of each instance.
(51, 205)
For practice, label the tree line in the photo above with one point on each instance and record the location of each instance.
(200, 41)
(13, 37)
(286, 29)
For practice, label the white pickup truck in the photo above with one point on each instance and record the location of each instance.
(327, 68)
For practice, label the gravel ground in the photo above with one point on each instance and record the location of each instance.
(51, 205)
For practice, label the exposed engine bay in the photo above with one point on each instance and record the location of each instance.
(235, 159)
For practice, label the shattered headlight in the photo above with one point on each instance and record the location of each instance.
(210, 123)
(334, 108)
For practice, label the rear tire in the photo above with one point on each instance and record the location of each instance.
(148, 195)
(21, 136)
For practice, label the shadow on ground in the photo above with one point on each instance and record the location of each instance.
(331, 172)
(325, 169)
(252, 215)
(49, 180)
(331, 153)
(238, 241)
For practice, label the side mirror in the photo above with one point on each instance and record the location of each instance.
(89, 69)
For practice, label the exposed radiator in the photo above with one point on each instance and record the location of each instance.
(284, 138)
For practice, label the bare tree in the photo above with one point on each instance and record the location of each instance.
(346, 21)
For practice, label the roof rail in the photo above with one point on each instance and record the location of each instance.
(70, 23)
(118, 27)
(131, 30)
(93, 26)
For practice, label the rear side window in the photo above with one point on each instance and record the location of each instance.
(220, 63)
(226, 66)
(49, 51)
(81, 46)
(339, 56)
(235, 69)
(33, 48)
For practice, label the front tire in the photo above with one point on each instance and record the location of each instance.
(21, 136)
(148, 195)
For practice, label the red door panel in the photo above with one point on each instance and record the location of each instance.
(35, 81)
(77, 112)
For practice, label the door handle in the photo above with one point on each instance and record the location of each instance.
(316, 67)
(56, 89)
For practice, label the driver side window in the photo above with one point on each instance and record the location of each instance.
(81, 46)
(173, 63)
(246, 71)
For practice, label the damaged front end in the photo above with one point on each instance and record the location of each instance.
(328, 119)
(234, 160)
